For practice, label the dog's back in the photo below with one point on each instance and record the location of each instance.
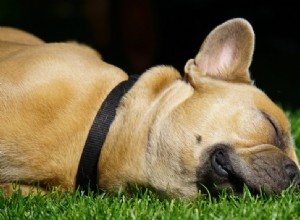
(8, 34)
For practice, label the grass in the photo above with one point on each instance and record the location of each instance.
(147, 205)
(294, 118)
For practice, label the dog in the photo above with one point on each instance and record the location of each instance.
(209, 129)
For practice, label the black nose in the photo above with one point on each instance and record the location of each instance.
(221, 163)
(293, 173)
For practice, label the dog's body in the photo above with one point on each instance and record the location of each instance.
(171, 134)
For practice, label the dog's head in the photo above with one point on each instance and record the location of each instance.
(228, 133)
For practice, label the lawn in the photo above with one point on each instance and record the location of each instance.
(147, 205)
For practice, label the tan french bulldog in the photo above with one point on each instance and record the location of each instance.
(212, 129)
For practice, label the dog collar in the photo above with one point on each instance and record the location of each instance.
(87, 169)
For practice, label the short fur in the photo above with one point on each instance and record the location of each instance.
(166, 129)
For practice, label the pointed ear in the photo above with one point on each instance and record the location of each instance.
(226, 54)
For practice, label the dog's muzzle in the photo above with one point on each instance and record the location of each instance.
(272, 171)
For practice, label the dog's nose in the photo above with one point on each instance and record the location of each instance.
(293, 173)
(221, 162)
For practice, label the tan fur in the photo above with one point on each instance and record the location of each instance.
(51, 92)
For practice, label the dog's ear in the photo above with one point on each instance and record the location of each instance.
(226, 54)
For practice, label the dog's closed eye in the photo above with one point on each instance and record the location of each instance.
(278, 139)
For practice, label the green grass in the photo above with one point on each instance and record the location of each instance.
(147, 205)
(294, 118)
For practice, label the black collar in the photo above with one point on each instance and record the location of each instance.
(87, 170)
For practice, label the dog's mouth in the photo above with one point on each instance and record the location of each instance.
(225, 170)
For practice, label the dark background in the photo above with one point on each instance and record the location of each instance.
(138, 34)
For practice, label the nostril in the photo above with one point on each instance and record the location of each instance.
(221, 163)
(293, 172)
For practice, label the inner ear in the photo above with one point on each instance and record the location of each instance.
(226, 53)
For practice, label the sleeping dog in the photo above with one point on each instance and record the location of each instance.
(208, 129)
